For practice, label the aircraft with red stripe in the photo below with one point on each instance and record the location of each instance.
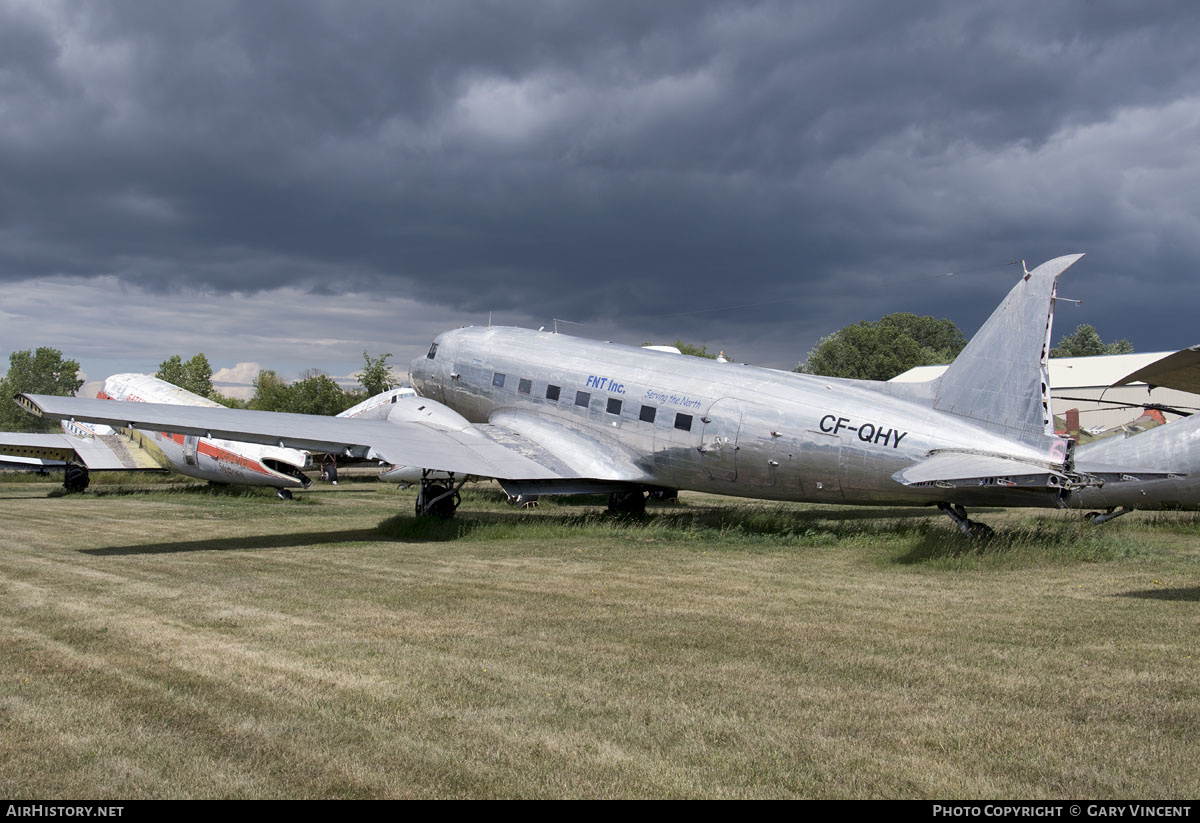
(86, 447)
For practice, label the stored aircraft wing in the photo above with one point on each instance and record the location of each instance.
(1179, 371)
(86, 447)
(552, 414)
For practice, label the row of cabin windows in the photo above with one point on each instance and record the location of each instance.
(683, 422)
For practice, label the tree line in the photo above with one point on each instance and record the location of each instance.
(895, 343)
(46, 371)
(314, 393)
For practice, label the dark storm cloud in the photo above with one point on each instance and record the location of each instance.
(612, 163)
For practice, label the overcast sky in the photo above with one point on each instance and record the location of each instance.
(288, 183)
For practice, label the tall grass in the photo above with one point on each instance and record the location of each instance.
(912, 539)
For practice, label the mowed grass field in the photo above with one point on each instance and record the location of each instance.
(174, 641)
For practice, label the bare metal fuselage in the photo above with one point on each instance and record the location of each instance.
(690, 423)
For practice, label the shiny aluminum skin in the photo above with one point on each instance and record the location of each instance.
(1173, 449)
(755, 432)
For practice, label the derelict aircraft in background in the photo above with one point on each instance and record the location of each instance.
(86, 447)
(545, 413)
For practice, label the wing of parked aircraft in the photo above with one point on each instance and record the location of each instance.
(1179, 371)
(487, 451)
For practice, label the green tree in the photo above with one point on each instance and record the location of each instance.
(229, 402)
(376, 375)
(1085, 342)
(318, 394)
(35, 372)
(314, 393)
(270, 392)
(883, 349)
(195, 375)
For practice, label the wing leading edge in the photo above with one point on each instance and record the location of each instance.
(470, 450)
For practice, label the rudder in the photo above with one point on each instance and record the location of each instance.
(1000, 379)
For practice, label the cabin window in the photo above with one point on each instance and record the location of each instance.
(432, 352)
(683, 422)
(614, 406)
(394, 396)
(552, 393)
(525, 386)
(498, 380)
(582, 398)
(647, 414)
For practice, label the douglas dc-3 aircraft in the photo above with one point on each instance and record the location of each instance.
(85, 447)
(546, 413)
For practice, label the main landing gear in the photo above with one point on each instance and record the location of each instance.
(438, 498)
(630, 504)
(75, 478)
(971, 528)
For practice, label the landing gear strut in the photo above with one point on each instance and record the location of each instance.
(438, 498)
(75, 478)
(632, 504)
(971, 528)
(1111, 513)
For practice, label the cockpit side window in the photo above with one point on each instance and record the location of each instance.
(432, 352)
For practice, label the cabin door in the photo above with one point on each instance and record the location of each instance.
(190, 445)
(719, 439)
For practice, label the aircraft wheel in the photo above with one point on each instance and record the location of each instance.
(442, 509)
(632, 504)
(1090, 516)
(75, 478)
(283, 494)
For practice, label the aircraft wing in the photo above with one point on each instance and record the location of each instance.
(1179, 371)
(101, 453)
(949, 469)
(485, 451)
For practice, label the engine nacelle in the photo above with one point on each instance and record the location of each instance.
(415, 409)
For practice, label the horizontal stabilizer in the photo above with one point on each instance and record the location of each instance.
(952, 470)
(1120, 474)
(98, 453)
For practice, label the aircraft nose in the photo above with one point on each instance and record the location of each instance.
(417, 372)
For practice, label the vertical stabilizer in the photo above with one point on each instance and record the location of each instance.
(1000, 378)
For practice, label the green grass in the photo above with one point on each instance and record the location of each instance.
(167, 644)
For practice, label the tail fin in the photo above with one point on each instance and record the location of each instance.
(1000, 379)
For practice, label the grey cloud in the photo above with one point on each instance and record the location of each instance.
(615, 164)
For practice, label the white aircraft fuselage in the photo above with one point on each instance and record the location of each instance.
(205, 458)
